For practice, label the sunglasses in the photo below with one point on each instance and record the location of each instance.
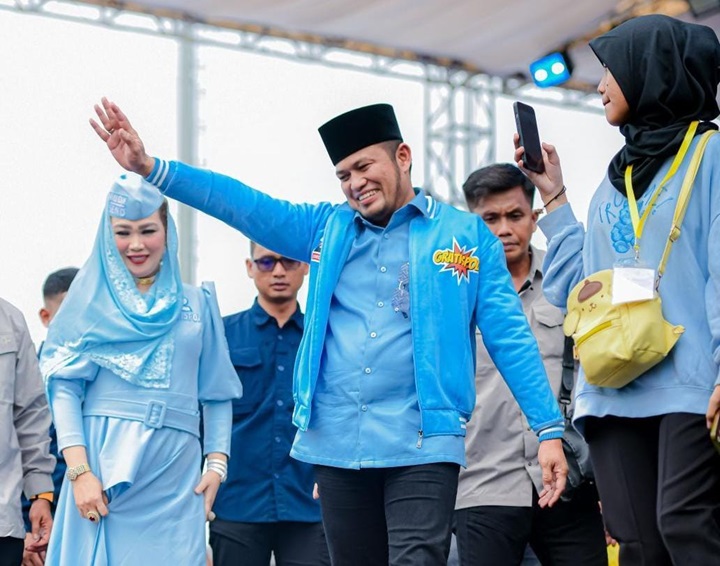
(267, 263)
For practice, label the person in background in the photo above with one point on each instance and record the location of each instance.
(26, 463)
(128, 360)
(54, 289)
(265, 507)
(497, 513)
(656, 469)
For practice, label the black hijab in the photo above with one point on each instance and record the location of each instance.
(668, 71)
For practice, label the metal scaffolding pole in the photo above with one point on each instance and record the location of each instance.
(187, 142)
(459, 129)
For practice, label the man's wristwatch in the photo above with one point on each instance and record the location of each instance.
(73, 473)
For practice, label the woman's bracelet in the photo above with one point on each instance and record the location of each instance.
(218, 466)
(560, 193)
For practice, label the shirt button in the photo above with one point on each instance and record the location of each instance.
(368, 370)
(386, 236)
(279, 403)
(373, 335)
(381, 304)
(276, 476)
(280, 337)
(397, 309)
(363, 408)
(277, 439)
(281, 368)
(383, 269)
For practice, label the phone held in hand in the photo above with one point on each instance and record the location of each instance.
(529, 138)
(714, 432)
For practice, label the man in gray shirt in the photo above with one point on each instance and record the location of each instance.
(25, 461)
(497, 513)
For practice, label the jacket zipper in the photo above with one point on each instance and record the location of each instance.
(420, 439)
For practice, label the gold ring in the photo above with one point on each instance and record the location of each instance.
(94, 516)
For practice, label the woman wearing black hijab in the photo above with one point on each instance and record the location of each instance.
(657, 472)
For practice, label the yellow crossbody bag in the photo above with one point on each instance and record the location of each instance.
(617, 343)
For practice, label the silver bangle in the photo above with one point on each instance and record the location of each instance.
(218, 466)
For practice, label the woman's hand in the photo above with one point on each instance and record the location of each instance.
(549, 183)
(89, 495)
(121, 138)
(208, 486)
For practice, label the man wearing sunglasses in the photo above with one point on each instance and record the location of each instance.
(384, 381)
(265, 506)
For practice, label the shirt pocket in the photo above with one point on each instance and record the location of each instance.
(248, 365)
(546, 324)
(8, 360)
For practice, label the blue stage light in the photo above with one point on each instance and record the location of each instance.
(551, 70)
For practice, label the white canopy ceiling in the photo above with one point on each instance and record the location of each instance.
(498, 37)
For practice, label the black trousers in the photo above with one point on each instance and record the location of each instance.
(568, 534)
(388, 516)
(659, 483)
(11, 551)
(250, 544)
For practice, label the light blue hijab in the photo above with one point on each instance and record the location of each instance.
(104, 318)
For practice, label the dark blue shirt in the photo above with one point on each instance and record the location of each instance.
(264, 483)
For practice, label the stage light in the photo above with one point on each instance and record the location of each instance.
(701, 8)
(551, 70)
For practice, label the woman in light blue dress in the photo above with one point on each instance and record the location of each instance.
(130, 358)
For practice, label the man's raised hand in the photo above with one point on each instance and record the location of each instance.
(121, 138)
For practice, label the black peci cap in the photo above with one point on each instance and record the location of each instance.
(359, 128)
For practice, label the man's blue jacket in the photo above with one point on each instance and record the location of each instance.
(459, 281)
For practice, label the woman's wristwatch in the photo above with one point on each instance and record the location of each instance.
(73, 473)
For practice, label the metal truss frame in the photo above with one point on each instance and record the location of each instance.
(459, 101)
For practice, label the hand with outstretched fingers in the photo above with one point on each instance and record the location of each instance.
(121, 138)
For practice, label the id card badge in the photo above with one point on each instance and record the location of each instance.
(632, 282)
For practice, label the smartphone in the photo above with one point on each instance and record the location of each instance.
(529, 137)
(714, 431)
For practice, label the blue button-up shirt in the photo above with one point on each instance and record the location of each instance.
(365, 407)
(264, 483)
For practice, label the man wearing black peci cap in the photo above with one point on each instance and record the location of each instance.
(384, 378)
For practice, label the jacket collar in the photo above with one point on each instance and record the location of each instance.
(421, 202)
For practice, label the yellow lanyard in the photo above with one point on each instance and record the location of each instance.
(638, 222)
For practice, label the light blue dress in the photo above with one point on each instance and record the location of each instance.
(126, 373)
(148, 462)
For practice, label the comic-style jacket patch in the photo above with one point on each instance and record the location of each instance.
(458, 260)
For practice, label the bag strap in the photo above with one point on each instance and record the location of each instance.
(683, 200)
(568, 376)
